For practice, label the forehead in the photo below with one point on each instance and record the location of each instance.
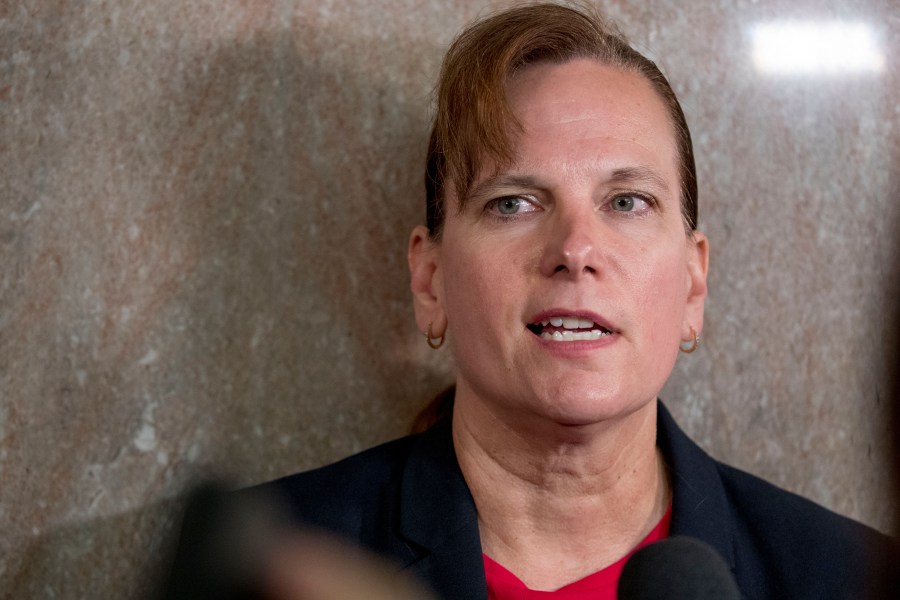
(586, 104)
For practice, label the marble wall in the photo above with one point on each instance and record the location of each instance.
(204, 210)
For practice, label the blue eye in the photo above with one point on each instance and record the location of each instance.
(510, 206)
(629, 203)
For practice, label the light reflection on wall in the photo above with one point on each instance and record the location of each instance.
(815, 48)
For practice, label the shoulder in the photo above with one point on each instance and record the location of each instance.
(778, 544)
(367, 469)
(805, 549)
(788, 520)
(785, 513)
(344, 495)
(222, 530)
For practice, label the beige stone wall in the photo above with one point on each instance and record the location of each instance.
(204, 209)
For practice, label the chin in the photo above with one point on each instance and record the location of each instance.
(589, 406)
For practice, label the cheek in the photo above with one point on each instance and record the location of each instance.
(471, 292)
(662, 299)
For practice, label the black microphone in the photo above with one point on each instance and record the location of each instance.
(677, 568)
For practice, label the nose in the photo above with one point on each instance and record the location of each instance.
(571, 245)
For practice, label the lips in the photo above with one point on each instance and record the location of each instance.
(569, 327)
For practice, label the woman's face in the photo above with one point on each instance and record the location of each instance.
(567, 281)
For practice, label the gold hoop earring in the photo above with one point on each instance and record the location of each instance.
(429, 336)
(693, 343)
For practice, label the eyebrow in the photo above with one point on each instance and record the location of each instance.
(620, 176)
(501, 181)
(639, 174)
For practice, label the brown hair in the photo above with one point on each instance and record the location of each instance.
(473, 118)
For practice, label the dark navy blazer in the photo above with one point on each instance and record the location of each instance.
(407, 500)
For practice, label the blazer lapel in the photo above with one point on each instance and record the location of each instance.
(438, 520)
(700, 507)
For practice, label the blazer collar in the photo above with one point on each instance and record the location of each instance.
(439, 520)
(439, 523)
(700, 507)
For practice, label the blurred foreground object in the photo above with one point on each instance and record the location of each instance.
(307, 566)
(239, 546)
(678, 568)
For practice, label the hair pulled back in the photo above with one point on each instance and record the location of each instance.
(474, 122)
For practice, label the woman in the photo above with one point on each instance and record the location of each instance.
(565, 273)
(562, 267)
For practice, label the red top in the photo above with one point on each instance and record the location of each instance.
(503, 585)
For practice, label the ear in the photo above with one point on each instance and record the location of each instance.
(697, 268)
(423, 256)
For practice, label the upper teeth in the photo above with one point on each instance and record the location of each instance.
(569, 323)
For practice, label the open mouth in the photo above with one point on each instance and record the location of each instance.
(569, 329)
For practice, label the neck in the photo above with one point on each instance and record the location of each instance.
(556, 503)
